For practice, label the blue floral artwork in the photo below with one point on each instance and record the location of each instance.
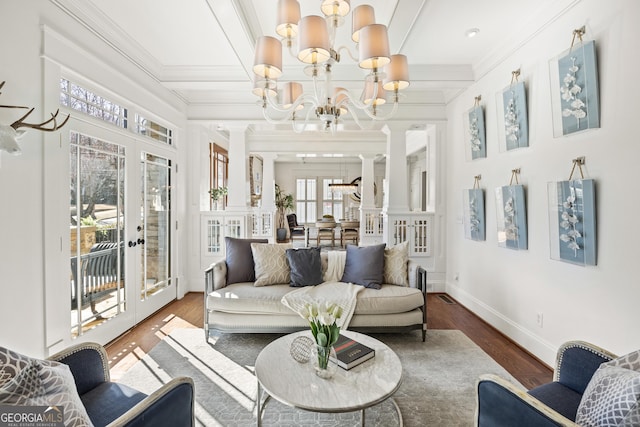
(516, 128)
(511, 217)
(573, 221)
(578, 74)
(477, 134)
(474, 223)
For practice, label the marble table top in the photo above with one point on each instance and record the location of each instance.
(296, 384)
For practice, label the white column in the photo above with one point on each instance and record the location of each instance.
(268, 181)
(396, 200)
(367, 197)
(239, 195)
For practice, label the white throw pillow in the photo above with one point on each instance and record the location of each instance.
(25, 381)
(612, 397)
(395, 264)
(271, 264)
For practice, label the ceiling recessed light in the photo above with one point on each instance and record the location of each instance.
(472, 32)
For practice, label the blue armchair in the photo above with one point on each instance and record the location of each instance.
(106, 402)
(501, 403)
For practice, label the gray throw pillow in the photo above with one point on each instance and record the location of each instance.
(306, 267)
(239, 258)
(364, 265)
(612, 397)
(25, 381)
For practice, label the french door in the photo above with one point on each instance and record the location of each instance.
(121, 238)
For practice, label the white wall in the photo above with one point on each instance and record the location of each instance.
(509, 288)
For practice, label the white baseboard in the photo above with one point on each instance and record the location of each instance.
(534, 344)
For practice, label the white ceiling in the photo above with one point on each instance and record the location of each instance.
(203, 50)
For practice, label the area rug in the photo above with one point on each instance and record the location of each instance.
(438, 386)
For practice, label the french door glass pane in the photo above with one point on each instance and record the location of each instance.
(96, 223)
(155, 220)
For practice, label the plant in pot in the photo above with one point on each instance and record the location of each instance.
(284, 204)
(217, 194)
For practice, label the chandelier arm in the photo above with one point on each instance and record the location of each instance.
(353, 58)
(349, 100)
(386, 116)
(356, 119)
(304, 98)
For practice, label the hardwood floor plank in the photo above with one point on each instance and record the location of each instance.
(189, 313)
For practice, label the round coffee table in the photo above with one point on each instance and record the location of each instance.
(297, 385)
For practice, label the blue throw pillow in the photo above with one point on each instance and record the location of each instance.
(239, 258)
(306, 267)
(364, 265)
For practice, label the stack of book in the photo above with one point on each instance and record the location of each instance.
(350, 353)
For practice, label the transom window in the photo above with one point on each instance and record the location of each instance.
(153, 130)
(81, 99)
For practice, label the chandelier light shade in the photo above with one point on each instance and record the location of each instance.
(371, 95)
(290, 93)
(288, 17)
(262, 88)
(313, 40)
(397, 73)
(373, 47)
(340, 99)
(362, 16)
(267, 62)
(315, 36)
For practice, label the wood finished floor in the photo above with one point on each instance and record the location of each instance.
(188, 313)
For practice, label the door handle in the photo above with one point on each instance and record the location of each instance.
(132, 243)
(140, 241)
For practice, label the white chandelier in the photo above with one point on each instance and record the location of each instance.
(315, 46)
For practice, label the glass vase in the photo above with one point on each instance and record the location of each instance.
(323, 366)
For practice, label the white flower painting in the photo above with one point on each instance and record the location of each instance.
(477, 145)
(514, 111)
(511, 217)
(572, 221)
(474, 214)
(578, 89)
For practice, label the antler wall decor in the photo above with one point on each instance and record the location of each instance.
(9, 134)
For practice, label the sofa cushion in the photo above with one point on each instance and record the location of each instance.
(244, 298)
(612, 397)
(364, 265)
(395, 264)
(389, 299)
(239, 259)
(271, 265)
(26, 381)
(305, 265)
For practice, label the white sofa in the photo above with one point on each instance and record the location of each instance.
(245, 308)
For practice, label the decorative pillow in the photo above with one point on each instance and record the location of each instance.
(364, 265)
(25, 381)
(240, 265)
(306, 266)
(271, 265)
(395, 264)
(612, 397)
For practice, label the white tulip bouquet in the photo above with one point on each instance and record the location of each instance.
(322, 320)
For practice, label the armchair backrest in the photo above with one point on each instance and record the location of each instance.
(576, 363)
(292, 219)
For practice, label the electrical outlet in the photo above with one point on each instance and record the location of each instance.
(539, 318)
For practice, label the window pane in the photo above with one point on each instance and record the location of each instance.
(337, 210)
(311, 212)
